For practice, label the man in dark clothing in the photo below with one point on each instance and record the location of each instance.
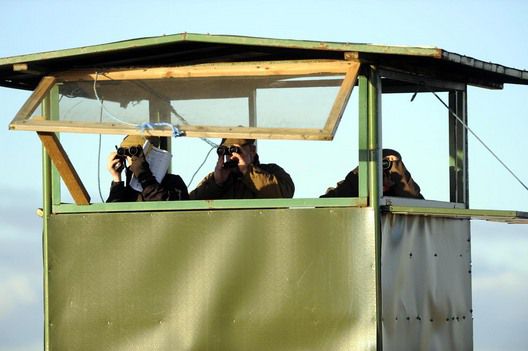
(397, 180)
(239, 175)
(171, 187)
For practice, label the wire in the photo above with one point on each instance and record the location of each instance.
(152, 125)
(149, 125)
(480, 140)
(108, 113)
(201, 165)
(162, 97)
(99, 157)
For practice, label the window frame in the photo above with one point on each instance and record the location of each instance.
(350, 68)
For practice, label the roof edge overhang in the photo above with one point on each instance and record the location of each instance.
(24, 71)
(222, 39)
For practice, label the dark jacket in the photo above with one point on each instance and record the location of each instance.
(404, 185)
(172, 186)
(261, 181)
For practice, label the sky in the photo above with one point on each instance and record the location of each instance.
(493, 31)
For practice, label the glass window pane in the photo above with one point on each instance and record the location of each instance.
(262, 102)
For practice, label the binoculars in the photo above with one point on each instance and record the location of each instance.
(129, 151)
(226, 152)
(386, 164)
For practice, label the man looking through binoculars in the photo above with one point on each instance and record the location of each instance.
(238, 174)
(397, 180)
(131, 153)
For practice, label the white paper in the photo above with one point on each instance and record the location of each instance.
(159, 162)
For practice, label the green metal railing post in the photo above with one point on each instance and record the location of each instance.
(52, 113)
(363, 136)
(374, 182)
(47, 201)
(458, 152)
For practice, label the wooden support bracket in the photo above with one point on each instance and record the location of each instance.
(342, 98)
(65, 168)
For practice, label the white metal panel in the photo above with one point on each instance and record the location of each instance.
(426, 283)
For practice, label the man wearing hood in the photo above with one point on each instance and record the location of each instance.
(397, 180)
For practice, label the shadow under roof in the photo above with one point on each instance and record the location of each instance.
(189, 49)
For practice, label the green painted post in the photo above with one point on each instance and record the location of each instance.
(363, 136)
(52, 113)
(374, 183)
(458, 154)
(47, 201)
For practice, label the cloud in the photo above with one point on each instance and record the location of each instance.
(499, 305)
(32, 345)
(18, 207)
(500, 285)
(21, 306)
(16, 290)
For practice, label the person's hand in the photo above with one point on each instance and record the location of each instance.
(388, 181)
(220, 173)
(115, 166)
(244, 159)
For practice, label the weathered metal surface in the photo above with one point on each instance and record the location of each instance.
(281, 279)
(489, 215)
(210, 204)
(426, 283)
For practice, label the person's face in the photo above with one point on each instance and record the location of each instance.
(247, 152)
(250, 150)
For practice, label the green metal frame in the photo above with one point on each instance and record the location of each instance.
(491, 215)
(209, 205)
(374, 180)
(363, 135)
(49, 194)
(159, 110)
(458, 150)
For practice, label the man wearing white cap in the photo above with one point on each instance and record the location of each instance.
(171, 186)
